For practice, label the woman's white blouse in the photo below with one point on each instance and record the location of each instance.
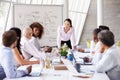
(62, 36)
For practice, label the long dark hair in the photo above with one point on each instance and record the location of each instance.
(18, 32)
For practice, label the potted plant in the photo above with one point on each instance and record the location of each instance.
(64, 50)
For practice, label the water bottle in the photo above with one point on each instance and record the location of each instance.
(70, 55)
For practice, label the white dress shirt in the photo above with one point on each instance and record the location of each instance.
(93, 47)
(97, 47)
(97, 56)
(110, 63)
(8, 64)
(35, 42)
(29, 50)
(62, 36)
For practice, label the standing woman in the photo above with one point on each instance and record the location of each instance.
(66, 34)
(38, 31)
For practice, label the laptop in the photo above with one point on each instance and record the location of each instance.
(71, 68)
(36, 70)
(82, 59)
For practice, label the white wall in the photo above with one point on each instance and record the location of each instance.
(111, 18)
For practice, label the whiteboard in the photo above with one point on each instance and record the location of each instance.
(50, 16)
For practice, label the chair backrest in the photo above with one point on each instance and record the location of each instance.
(88, 43)
(114, 73)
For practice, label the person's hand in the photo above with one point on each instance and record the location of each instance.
(44, 49)
(47, 49)
(80, 50)
(92, 52)
(74, 48)
(29, 69)
(38, 61)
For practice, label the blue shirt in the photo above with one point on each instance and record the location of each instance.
(8, 64)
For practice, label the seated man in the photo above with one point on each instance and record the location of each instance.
(109, 62)
(7, 65)
(28, 49)
(93, 47)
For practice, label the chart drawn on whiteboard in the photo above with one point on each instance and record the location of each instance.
(50, 16)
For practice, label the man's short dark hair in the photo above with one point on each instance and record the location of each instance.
(96, 31)
(8, 38)
(106, 37)
(103, 27)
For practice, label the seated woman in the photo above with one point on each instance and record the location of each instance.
(38, 31)
(109, 61)
(17, 52)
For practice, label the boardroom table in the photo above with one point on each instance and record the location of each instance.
(52, 74)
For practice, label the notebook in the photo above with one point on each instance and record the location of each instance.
(74, 72)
